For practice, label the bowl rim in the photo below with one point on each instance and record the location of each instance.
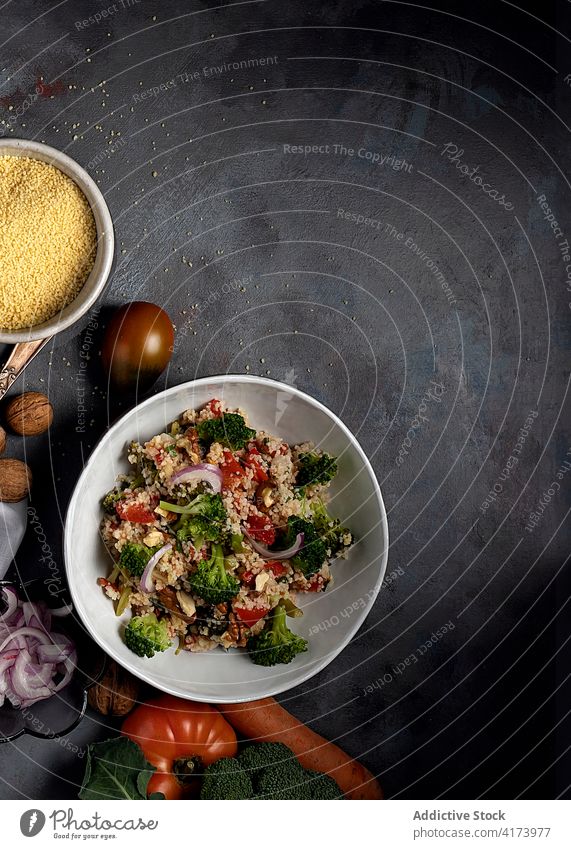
(105, 237)
(276, 688)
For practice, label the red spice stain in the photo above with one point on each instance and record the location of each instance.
(41, 89)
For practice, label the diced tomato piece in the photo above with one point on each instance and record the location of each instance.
(137, 513)
(315, 585)
(278, 569)
(215, 407)
(250, 615)
(232, 471)
(253, 462)
(261, 528)
(247, 578)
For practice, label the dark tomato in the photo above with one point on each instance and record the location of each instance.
(250, 615)
(138, 345)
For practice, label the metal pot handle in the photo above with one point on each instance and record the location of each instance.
(22, 353)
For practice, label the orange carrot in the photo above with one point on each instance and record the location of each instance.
(266, 720)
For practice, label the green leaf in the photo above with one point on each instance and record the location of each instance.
(116, 769)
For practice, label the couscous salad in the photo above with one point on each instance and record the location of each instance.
(213, 535)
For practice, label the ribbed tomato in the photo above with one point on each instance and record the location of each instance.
(179, 738)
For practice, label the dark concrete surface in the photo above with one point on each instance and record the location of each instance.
(242, 240)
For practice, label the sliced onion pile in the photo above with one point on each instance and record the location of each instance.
(268, 554)
(35, 662)
(202, 473)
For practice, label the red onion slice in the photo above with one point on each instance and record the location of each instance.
(11, 603)
(268, 554)
(202, 473)
(146, 583)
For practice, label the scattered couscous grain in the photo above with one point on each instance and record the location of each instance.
(47, 241)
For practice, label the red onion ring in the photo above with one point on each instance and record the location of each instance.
(146, 583)
(268, 554)
(202, 473)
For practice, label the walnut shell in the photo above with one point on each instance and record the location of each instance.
(15, 480)
(2, 440)
(29, 414)
(115, 694)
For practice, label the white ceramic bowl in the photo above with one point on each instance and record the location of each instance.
(99, 274)
(330, 619)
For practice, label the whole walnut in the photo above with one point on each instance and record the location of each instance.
(29, 414)
(115, 694)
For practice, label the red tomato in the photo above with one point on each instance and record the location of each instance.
(278, 569)
(215, 407)
(314, 585)
(250, 615)
(232, 471)
(247, 577)
(261, 528)
(253, 462)
(137, 513)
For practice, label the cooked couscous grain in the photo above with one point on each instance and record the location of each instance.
(47, 241)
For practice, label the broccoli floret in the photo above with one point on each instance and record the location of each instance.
(211, 581)
(225, 779)
(331, 531)
(230, 429)
(145, 635)
(198, 530)
(275, 643)
(201, 520)
(109, 501)
(321, 786)
(259, 756)
(315, 469)
(134, 557)
(313, 553)
(284, 781)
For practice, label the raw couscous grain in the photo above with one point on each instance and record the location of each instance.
(47, 241)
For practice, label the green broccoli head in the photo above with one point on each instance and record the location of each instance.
(145, 635)
(134, 557)
(225, 779)
(314, 468)
(313, 553)
(275, 643)
(321, 786)
(198, 530)
(284, 781)
(211, 581)
(331, 531)
(258, 756)
(109, 501)
(230, 429)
